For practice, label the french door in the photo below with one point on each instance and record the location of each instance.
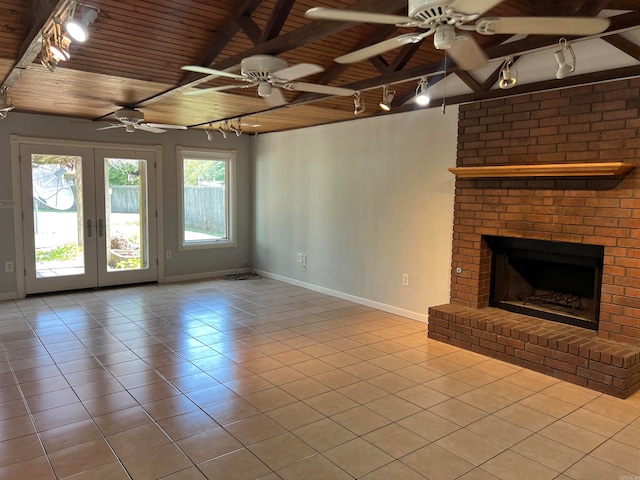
(92, 220)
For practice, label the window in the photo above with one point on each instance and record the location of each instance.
(206, 197)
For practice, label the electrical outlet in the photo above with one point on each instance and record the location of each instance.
(405, 279)
(304, 263)
(8, 267)
(299, 258)
(168, 254)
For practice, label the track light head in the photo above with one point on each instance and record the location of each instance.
(422, 96)
(564, 69)
(387, 98)
(79, 29)
(358, 103)
(508, 80)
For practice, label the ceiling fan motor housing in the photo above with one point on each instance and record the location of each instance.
(259, 67)
(129, 116)
(429, 10)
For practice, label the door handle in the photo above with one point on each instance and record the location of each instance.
(100, 232)
(88, 228)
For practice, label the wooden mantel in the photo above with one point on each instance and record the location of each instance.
(604, 169)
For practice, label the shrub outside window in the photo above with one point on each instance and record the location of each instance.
(207, 198)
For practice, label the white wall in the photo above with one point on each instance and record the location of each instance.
(366, 201)
(185, 264)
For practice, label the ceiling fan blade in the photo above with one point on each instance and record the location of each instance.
(211, 71)
(469, 7)
(166, 125)
(385, 46)
(113, 125)
(149, 128)
(542, 25)
(316, 88)
(200, 91)
(276, 98)
(296, 71)
(320, 13)
(467, 53)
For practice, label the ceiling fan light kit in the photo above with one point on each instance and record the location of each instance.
(131, 120)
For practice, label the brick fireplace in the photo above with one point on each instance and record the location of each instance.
(595, 124)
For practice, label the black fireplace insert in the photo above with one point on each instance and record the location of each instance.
(556, 281)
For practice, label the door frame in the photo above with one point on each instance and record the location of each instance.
(18, 207)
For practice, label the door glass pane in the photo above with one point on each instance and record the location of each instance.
(57, 215)
(126, 224)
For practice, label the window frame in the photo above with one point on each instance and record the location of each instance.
(229, 157)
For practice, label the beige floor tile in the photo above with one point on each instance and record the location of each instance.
(394, 470)
(280, 376)
(569, 393)
(436, 463)
(620, 454)
(594, 422)
(324, 434)
(591, 468)
(449, 386)
(525, 417)
(80, 458)
(156, 462)
(238, 465)
(470, 446)
(548, 452)
(331, 403)
(500, 431)
(281, 451)
(617, 409)
(422, 396)
(305, 388)
(270, 399)
(255, 429)
(231, 411)
(358, 457)
(110, 471)
(548, 405)
(69, 435)
(187, 424)
(392, 382)
(20, 449)
(361, 420)
(315, 467)
(138, 439)
(192, 473)
(252, 383)
(628, 435)
(572, 436)
(393, 407)
(16, 427)
(429, 425)
(472, 377)
(395, 440)
(12, 408)
(512, 466)
(362, 392)
(295, 415)
(208, 445)
(211, 395)
(169, 407)
(37, 468)
(508, 390)
(480, 474)
(484, 400)
(458, 412)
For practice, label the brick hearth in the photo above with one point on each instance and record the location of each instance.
(594, 123)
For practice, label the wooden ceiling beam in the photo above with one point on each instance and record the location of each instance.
(468, 80)
(43, 13)
(624, 45)
(404, 55)
(277, 19)
(249, 27)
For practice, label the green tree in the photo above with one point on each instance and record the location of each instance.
(199, 172)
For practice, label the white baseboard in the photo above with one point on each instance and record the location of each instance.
(8, 296)
(196, 276)
(421, 317)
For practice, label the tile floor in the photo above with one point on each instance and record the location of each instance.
(258, 379)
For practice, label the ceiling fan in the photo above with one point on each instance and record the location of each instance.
(441, 18)
(269, 74)
(131, 120)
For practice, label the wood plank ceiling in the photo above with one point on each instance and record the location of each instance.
(135, 52)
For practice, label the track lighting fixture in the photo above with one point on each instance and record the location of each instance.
(564, 69)
(387, 98)
(507, 79)
(209, 131)
(422, 96)
(358, 103)
(237, 129)
(79, 29)
(5, 104)
(58, 43)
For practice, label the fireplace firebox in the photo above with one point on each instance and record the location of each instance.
(555, 281)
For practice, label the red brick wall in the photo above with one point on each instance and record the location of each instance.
(593, 123)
